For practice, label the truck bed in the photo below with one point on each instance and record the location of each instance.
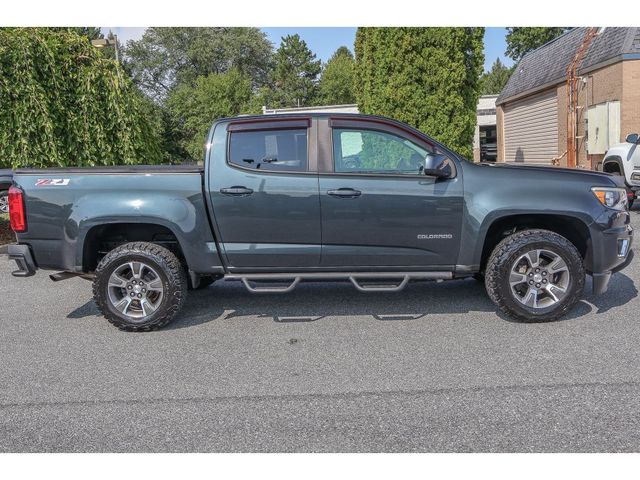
(116, 169)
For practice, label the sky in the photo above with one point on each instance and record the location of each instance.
(323, 41)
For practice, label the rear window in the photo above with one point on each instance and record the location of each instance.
(272, 150)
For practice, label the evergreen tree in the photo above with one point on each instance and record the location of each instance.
(426, 77)
(295, 79)
(336, 82)
(495, 79)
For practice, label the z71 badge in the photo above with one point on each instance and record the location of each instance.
(41, 182)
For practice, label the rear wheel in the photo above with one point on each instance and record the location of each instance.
(535, 275)
(140, 286)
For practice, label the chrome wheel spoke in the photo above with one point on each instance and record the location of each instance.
(136, 269)
(147, 307)
(517, 278)
(534, 257)
(558, 265)
(555, 292)
(123, 305)
(117, 281)
(531, 298)
(155, 285)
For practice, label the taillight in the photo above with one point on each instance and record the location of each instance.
(17, 214)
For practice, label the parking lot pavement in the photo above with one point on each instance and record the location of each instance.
(324, 368)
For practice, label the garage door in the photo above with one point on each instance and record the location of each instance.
(531, 129)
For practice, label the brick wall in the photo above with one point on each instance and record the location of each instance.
(630, 108)
(603, 85)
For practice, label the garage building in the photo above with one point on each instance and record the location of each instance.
(532, 110)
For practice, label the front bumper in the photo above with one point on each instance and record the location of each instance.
(611, 251)
(24, 260)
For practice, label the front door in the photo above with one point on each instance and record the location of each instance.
(379, 209)
(264, 192)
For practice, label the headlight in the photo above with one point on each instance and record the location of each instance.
(611, 197)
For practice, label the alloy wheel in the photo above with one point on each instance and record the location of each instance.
(135, 290)
(539, 279)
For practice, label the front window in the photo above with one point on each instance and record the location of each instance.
(371, 151)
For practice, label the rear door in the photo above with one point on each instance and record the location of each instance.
(264, 191)
(378, 209)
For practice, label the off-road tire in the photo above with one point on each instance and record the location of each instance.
(498, 271)
(164, 262)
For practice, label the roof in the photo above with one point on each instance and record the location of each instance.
(547, 66)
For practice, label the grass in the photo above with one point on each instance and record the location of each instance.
(6, 235)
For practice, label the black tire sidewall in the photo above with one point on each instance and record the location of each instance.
(576, 282)
(172, 287)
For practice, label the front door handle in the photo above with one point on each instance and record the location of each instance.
(236, 190)
(345, 193)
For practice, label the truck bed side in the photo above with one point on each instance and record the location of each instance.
(71, 213)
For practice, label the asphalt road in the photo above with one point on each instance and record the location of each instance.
(324, 368)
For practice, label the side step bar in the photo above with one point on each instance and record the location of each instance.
(358, 279)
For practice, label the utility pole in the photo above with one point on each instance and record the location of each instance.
(572, 96)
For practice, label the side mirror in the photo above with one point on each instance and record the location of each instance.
(437, 165)
(633, 138)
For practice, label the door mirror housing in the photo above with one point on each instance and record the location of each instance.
(633, 138)
(437, 165)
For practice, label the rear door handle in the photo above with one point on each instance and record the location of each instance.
(236, 190)
(344, 193)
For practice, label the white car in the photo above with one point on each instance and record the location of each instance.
(624, 159)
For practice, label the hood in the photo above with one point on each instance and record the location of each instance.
(556, 170)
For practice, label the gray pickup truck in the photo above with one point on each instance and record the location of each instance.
(289, 198)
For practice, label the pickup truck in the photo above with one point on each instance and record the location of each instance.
(624, 160)
(288, 198)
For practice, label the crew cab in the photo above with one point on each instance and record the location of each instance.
(283, 199)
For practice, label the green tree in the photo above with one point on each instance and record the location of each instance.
(91, 33)
(426, 77)
(295, 79)
(65, 104)
(213, 96)
(166, 57)
(521, 40)
(336, 82)
(495, 79)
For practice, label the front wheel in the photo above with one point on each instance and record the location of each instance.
(535, 275)
(139, 286)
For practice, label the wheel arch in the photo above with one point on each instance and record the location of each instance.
(104, 237)
(571, 227)
(613, 164)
